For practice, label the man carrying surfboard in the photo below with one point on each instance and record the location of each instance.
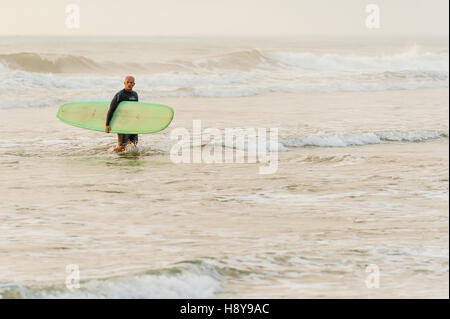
(127, 94)
(126, 119)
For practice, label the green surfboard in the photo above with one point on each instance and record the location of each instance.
(129, 117)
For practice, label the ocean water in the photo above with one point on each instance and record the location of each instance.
(362, 174)
(93, 68)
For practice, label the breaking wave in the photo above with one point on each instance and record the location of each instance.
(194, 281)
(70, 64)
(47, 63)
(361, 138)
(234, 74)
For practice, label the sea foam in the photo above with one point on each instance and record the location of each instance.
(194, 282)
(235, 74)
(344, 140)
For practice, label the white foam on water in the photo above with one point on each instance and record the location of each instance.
(333, 140)
(361, 138)
(411, 136)
(408, 60)
(236, 74)
(195, 282)
(432, 252)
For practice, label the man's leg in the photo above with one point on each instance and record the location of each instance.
(120, 143)
(133, 138)
(125, 139)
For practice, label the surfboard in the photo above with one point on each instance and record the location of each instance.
(129, 117)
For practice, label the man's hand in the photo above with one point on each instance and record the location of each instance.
(108, 129)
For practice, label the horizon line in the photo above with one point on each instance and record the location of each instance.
(399, 35)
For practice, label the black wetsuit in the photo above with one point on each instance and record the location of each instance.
(121, 96)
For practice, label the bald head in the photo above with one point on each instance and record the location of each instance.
(129, 83)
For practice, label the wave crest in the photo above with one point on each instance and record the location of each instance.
(236, 74)
(191, 281)
(33, 62)
(361, 138)
(241, 60)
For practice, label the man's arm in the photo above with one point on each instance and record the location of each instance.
(112, 108)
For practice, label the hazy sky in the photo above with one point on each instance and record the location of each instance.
(224, 17)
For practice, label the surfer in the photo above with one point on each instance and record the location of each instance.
(127, 94)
